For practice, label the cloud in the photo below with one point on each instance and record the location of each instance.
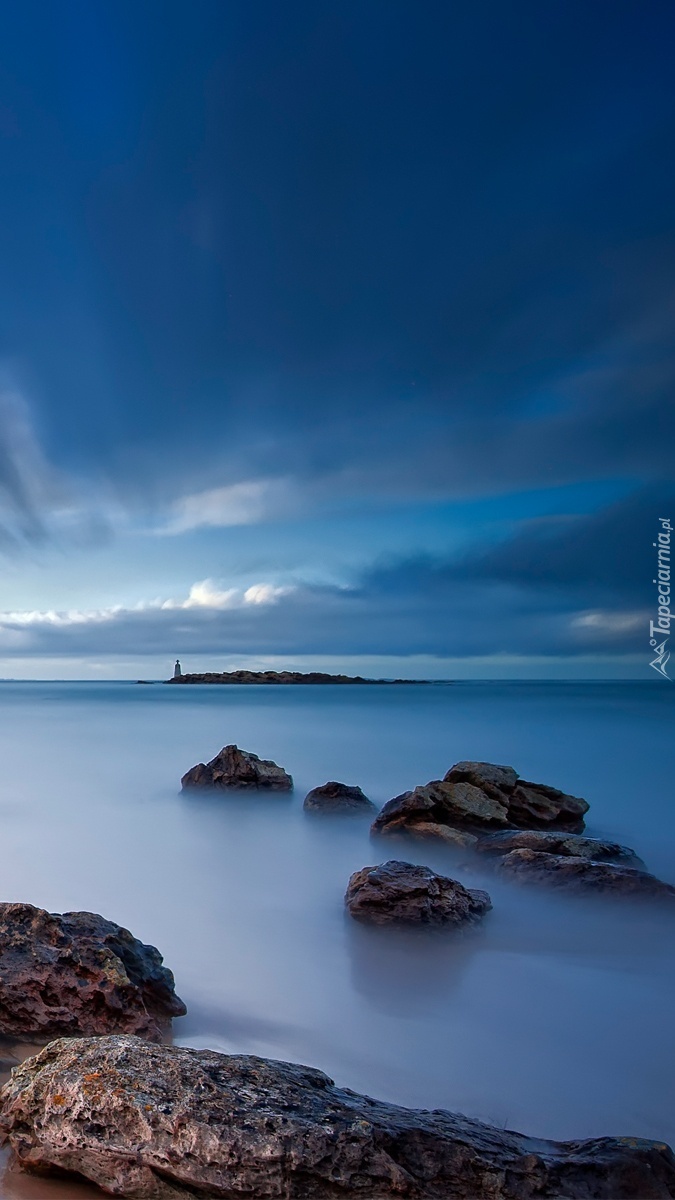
(433, 259)
(413, 607)
(205, 595)
(611, 623)
(39, 503)
(245, 503)
(607, 553)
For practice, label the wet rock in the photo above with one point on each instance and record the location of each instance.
(566, 844)
(77, 973)
(580, 874)
(400, 893)
(235, 768)
(337, 798)
(478, 797)
(163, 1123)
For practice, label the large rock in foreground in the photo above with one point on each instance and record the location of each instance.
(235, 768)
(163, 1123)
(580, 874)
(477, 797)
(398, 893)
(336, 797)
(79, 974)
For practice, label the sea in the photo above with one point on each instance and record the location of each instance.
(554, 1019)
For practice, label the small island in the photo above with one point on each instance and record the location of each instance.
(280, 677)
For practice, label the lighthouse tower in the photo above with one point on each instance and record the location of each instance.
(177, 671)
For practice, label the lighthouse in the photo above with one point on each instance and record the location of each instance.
(177, 671)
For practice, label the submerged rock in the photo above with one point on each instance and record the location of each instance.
(430, 831)
(235, 768)
(400, 893)
(77, 973)
(566, 844)
(163, 1123)
(582, 874)
(479, 797)
(337, 798)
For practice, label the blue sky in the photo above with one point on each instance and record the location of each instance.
(334, 335)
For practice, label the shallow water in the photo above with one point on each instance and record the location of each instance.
(554, 1019)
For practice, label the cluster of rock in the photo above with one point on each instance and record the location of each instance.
(154, 1122)
(162, 1122)
(238, 770)
(531, 832)
(475, 796)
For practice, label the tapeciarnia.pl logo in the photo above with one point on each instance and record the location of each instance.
(662, 624)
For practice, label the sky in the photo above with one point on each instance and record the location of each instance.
(335, 336)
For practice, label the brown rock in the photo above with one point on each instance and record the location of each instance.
(536, 806)
(238, 769)
(337, 798)
(580, 874)
(79, 974)
(494, 780)
(567, 844)
(400, 893)
(477, 797)
(430, 831)
(166, 1123)
(458, 805)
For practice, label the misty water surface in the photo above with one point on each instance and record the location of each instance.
(555, 1019)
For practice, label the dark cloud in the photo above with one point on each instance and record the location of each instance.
(608, 555)
(427, 247)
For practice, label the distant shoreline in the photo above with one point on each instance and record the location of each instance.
(281, 677)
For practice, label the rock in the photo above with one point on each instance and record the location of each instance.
(452, 804)
(529, 805)
(494, 780)
(77, 973)
(575, 872)
(235, 768)
(567, 844)
(410, 808)
(477, 797)
(337, 798)
(536, 806)
(169, 1123)
(400, 893)
(430, 831)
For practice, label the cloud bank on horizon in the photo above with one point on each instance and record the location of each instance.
(360, 315)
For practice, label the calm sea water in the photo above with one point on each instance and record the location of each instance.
(556, 1019)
